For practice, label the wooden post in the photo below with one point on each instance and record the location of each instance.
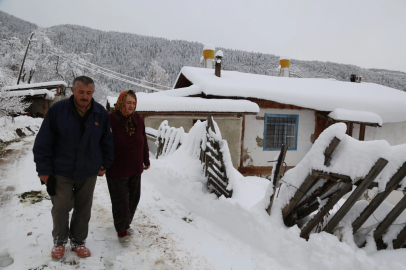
(350, 126)
(242, 142)
(323, 211)
(390, 218)
(329, 151)
(277, 175)
(373, 173)
(380, 197)
(362, 132)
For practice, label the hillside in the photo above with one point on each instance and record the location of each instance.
(132, 54)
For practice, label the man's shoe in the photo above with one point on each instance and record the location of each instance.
(57, 252)
(130, 231)
(82, 251)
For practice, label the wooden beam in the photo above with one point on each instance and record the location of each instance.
(379, 198)
(373, 173)
(329, 151)
(324, 210)
(361, 132)
(400, 239)
(277, 175)
(390, 218)
(304, 187)
(331, 176)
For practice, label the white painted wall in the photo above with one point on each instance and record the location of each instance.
(256, 156)
(393, 133)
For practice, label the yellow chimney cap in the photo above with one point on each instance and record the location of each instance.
(208, 51)
(284, 62)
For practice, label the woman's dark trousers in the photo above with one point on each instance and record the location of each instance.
(125, 194)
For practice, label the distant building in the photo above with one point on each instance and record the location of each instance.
(42, 95)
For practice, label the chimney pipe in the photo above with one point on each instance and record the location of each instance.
(219, 59)
(284, 66)
(208, 56)
(353, 78)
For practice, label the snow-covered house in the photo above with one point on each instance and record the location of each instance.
(42, 95)
(259, 113)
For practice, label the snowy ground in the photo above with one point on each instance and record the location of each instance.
(180, 226)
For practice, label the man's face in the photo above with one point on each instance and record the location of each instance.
(83, 94)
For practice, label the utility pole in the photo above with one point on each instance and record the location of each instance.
(25, 55)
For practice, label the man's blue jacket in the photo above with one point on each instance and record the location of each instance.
(61, 149)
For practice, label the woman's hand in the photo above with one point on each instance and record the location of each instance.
(146, 167)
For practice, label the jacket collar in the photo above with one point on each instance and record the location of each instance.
(95, 109)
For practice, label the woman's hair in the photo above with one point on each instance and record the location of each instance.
(131, 94)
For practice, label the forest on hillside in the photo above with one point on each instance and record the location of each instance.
(139, 56)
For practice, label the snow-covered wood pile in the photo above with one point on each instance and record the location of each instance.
(336, 165)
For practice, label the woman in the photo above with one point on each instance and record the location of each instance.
(131, 158)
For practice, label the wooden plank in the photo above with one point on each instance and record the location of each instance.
(331, 176)
(324, 210)
(217, 173)
(276, 176)
(218, 181)
(373, 173)
(361, 132)
(380, 197)
(390, 218)
(350, 128)
(214, 155)
(210, 123)
(220, 189)
(304, 187)
(330, 150)
(400, 239)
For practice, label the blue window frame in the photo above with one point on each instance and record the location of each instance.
(280, 129)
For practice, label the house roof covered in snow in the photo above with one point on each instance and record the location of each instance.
(40, 85)
(354, 116)
(312, 93)
(37, 92)
(162, 103)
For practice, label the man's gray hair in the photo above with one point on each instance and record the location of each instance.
(83, 79)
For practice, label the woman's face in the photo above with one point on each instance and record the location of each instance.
(130, 104)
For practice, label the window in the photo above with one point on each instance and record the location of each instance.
(280, 129)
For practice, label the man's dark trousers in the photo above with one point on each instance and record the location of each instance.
(76, 194)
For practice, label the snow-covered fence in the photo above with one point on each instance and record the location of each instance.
(203, 142)
(215, 164)
(168, 139)
(336, 165)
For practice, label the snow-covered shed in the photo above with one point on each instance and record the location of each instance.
(295, 111)
(42, 95)
(185, 111)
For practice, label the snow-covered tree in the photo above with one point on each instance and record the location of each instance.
(10, 104)
(155, 77)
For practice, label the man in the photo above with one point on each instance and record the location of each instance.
(73, 146)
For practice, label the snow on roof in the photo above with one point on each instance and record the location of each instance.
(36, 85)
(49, 95)
(312, 93)
(356, 116)
(156, 102)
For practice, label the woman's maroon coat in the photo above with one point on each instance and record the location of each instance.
(131, 152)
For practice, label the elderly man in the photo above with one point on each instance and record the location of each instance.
(73, 146)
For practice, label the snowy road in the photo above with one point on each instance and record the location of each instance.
(180, 226)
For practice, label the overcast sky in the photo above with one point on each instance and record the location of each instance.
(366, 33)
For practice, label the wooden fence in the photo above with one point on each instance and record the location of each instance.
(306, 200)
(214, 165)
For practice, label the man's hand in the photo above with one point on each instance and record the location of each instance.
(44, 178)
(102, 171)
(146, 167)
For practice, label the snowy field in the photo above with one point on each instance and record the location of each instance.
(180, 226)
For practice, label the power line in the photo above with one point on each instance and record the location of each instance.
(109, 70)
(118, 78)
